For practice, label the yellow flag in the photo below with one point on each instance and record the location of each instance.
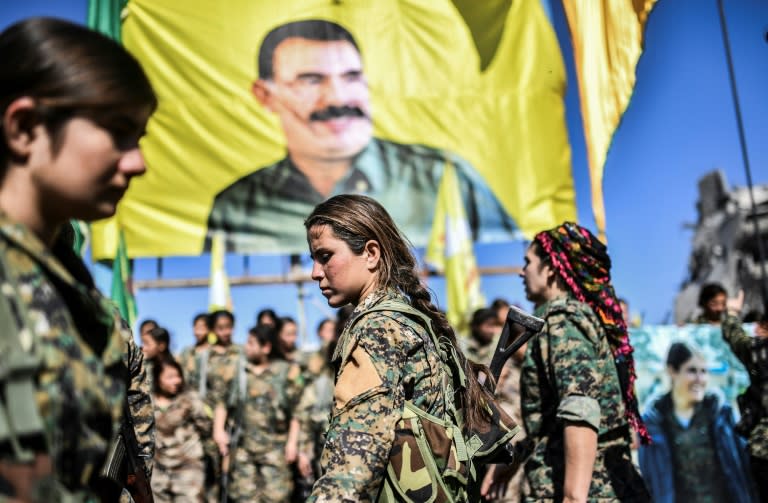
(478, 83)
(450, 251)
(218, 291)
(607, 38)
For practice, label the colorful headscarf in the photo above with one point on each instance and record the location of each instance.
(583, 263)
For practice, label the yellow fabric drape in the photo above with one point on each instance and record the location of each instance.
(495, 102)
(450, 251)
(607, 38)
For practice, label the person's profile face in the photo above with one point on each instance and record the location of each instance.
(321, 96)
(536, 277)
(342, 276)
(149, 347)
(91, 171)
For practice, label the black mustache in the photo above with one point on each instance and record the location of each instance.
(334, 112)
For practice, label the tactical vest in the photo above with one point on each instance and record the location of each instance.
(433, 459)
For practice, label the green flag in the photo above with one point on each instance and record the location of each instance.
(122, 294)
(105, 16)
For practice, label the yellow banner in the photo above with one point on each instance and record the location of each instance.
(267, 108)
(607, 39)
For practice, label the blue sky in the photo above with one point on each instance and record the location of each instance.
(679, 126)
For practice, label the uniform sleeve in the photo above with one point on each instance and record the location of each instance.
(140, 403)
(293, 387)
(302, 413)
(737, 338)
(200, 418)
(369, 402)
(576, 377)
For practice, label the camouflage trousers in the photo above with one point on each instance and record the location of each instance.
(182, 484)
(262, 478)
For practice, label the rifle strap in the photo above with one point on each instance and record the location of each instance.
(202, 385)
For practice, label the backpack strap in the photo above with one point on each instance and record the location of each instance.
(448, 357)
(19, 414)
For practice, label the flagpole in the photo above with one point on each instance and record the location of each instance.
(743, 142)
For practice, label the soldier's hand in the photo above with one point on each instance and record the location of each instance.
(291, 452)
(222, 441)
(736, 304)
(494, 485)
(304, 466)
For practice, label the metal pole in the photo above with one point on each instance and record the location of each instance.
(743, 142)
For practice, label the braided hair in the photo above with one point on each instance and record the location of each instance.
(357, 219)
(583, 265)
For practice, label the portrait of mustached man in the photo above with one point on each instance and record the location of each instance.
(311, 76)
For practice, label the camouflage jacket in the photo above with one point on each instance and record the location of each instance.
(477, 351)
(195, 366)
(744, 347)
(222, 368)
(266, 405)
(314, 412)
(181, 427)
(80, 379)
(398, 363)
(140, 400)
(569, 376)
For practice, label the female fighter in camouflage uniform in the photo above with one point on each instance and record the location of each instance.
(182, 424)
(74, 105)
(385, 359)
(577, 376)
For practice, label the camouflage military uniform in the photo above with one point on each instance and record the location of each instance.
(362, 431)
(508, 393)
(179, 471)
(265, 408)
(194, 363)
(140, 401)
(222, 367)
(569, 375)
(265, 210)
(80, 379)
(477, 351)
(314, 412)
(743, 346)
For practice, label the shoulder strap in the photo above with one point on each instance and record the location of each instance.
(242, 378)
(447, 352)
(19, 415)
(202, 383)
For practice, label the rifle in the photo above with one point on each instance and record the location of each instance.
(235, 431)
(496, 446)
(136, 480)
(525, 326)
(124, 466)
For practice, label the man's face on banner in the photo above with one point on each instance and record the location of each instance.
(320, 93)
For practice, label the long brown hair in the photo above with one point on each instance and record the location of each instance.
(358, 219)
